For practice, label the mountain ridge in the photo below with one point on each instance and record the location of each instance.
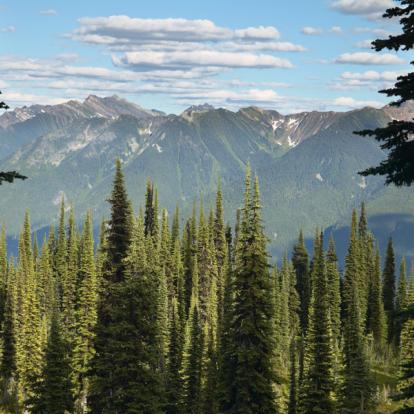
(307, 162)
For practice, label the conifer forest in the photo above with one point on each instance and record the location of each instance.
(251, 257)
(174, 315)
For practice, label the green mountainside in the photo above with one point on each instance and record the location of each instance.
(307, 164)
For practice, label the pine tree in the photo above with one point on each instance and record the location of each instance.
(318, 393)
(54, 393)
(108, 386)
(333, 281)
(376, 321)
(251, 390)
(86, 317)
(405, 394)
(357, 390)
(388, 288)
(174, 385)
(193, 353)
(396, 136)
(400, 300)
(3, 273)
(29, 351)
(301, 265)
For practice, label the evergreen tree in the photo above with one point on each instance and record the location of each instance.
(376, 321)
(54, 393)
(388, 288)
(251, 390)
(301, 265)
(400, 300)
(108, 388)
(193, 353)
(398, 168)
(174, 385)
(405, 394)
(318, 393)
(357, 390)
(333, 281)
(86, 316)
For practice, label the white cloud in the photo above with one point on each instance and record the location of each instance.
(336, 29)
(372, 9)
(175, 60)
(311, 31)
(48, 12)
(8, 29)
(372, 75)
(17, 98)
(349, 102)
(127, 30)
(368, 58)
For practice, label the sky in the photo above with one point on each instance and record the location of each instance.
(291, 56)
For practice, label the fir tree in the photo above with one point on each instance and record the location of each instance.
(86, 316)
(193, 353)
(405, 394)
(400, 300)
(108, 388)
(54, 393)
(301, 265)
(357, 390)
(388, 288)
(398, 168)
(174, 385)
(318, 393)
(251, 390)
(376, 322)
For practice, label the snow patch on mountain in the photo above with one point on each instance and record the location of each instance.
(363, 184)
(157, 147)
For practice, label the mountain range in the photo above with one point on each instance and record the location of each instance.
(307, 163)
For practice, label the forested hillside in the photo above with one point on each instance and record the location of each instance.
(189, 315)
(307, 162)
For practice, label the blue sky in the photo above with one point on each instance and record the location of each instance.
(289, 56)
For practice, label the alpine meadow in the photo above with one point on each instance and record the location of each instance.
(250, 255)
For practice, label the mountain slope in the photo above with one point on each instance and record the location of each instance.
(307, 162)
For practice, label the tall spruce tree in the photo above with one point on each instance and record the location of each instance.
(357, 390)
(318, 393)
(86, 317)
(376, 320)
(405, 395)
(108, 385)
(54, 393)
(388, 288)
(300, 262)
(398, 168)
(251, 390)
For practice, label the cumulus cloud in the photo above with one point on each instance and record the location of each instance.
(48, 12)
(372, 75)
(368, 58)
(349, 102)
(127, 30)
(311, 31)
(174, 44)
(176, 60)
(17, 98)
(370, 8)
